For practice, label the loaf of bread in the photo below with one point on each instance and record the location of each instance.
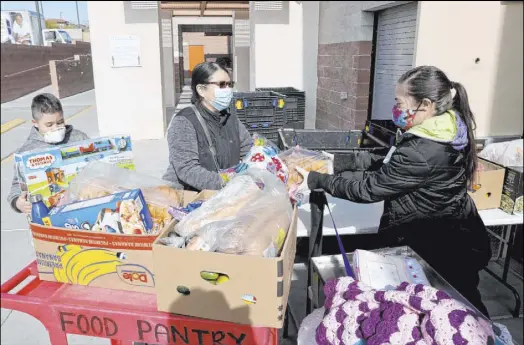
(163, 195)
(92, 191)
(250, 216)
(307, 160)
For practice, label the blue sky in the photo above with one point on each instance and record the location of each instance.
(52, 9)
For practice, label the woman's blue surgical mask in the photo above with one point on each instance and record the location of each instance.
(222, 98)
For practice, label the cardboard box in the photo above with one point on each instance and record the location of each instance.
(47, 172)
(123, 212)
(256, 293)
(486, 192)
(512, 199)
(112, 261)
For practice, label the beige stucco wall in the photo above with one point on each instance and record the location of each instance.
(129, 100)
(452, 35)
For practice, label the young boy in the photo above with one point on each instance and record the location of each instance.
(49, 130)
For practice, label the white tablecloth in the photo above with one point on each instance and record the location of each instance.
(353, 219)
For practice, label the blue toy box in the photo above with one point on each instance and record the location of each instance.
(48, 171)
(120, 213)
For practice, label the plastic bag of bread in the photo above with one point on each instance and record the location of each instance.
(99, 179)
(250, 216)
(308, 160)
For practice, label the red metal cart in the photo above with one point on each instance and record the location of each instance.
(123, 317)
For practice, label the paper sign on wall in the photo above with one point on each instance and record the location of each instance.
(125, 51)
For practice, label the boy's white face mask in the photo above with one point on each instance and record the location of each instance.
(55, 136)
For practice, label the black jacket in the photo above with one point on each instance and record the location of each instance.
(426, 204)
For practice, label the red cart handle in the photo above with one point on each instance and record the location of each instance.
(18, 278)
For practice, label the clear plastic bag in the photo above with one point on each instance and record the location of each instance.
(263, 155)
(250, 216)
(507, 153)
(99, 179)
(307, 160)
(261, 141)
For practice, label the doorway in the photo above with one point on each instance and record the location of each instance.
(196, 56)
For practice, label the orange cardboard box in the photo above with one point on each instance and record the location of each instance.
(255, 294)
(112, 261)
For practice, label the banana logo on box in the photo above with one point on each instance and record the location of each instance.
(82, 266)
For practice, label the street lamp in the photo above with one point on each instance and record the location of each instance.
(77, 14)
(37, 7)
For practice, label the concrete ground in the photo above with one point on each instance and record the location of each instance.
(150, 158)
(17, 250)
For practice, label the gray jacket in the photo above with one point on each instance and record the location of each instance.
(36, 141)
(191, 166)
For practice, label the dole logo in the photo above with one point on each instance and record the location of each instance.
(40, 161)
(135, 275)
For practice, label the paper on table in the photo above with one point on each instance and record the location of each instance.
(387, 272)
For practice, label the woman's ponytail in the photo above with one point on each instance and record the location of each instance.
(461, 104)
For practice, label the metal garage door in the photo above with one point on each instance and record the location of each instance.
(394, 55)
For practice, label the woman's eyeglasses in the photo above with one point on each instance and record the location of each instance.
(223, 84)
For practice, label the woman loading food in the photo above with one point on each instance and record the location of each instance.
(424, 179)
(205, 138)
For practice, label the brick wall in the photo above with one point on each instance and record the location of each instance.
(343, 84)
(69, 78)
(25, 69)
(344, 62)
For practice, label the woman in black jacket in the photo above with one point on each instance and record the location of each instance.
(424, 179)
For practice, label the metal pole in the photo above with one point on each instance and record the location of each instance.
(77, 14)
(42, 9)
(39, 23)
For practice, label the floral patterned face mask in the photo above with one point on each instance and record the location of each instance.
(403, 118)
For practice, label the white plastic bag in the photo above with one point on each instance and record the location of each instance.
(250, 216)
(507, 153)
(262, 155)
(308, 327)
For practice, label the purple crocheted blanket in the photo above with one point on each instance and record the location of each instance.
(409, 315)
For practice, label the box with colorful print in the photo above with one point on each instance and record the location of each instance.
(48, 172)
(119, 213)
(98, 259)
(512, 191)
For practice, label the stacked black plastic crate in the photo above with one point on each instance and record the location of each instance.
(295, 105)
(383, 130)
(262, 112)
(332, 141)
